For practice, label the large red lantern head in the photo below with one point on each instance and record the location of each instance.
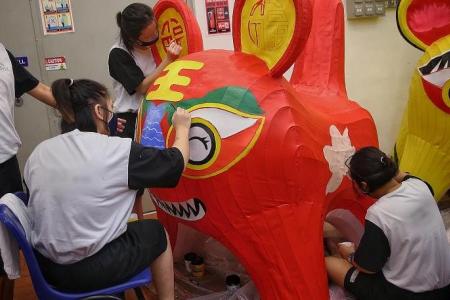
(266, 158)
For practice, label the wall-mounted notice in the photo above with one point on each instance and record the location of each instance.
(56, 16)
(55, 63)
(217, 16)
(22, 60)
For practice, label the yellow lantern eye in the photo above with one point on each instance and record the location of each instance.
(226, 123)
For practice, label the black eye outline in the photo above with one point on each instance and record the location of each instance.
(213, 145)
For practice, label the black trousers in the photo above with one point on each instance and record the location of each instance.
(131, 253)
(10, 182)
(128, 132)
(10, 178)
(130, 126)
(377, 287)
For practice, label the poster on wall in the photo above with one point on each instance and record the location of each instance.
(56, 16)
(217, 16)
(56, 63)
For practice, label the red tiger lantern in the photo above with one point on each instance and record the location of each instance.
(267, 158)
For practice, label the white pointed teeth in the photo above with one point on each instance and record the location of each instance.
(191, 210)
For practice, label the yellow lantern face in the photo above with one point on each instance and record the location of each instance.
(434, 70)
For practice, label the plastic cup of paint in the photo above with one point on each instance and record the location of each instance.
(198, 267)
(188, 258)
(233, 282)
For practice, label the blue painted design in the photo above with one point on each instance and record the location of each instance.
(152, 133)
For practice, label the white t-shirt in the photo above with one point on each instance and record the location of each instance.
(72, 173)
(419, 250)
(128, 70)
(9, 139)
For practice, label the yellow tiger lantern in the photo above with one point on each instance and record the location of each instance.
(423, 145)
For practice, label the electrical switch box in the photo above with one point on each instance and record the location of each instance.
(391, 3)
(365, 8)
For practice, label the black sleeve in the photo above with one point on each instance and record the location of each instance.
(23, 80)
(428, 185)
(124, 69)
(152, 167)
(373, 250)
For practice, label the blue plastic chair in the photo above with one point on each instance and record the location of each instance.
(22, 196)
(43, 290)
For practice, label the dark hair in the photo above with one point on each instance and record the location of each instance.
(372, 166)
(132, 20)
(74, 100)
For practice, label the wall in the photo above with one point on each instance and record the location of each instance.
(86, 51)
(379, 62)
(379, 65)
(17, 34)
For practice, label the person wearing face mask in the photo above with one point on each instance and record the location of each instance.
(133, 69)
(131, 63)
(404, 252)
(82, 185)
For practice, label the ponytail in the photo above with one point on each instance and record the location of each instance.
(119, 19)
(74, 100)
(61, 92)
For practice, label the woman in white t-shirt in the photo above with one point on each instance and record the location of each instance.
(131, 63)
(404, 252)
(82, 186)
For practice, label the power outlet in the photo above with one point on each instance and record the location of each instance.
(380, 8)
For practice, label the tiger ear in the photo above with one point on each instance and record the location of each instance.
(176, 22)
(273, 30)
(422, 22)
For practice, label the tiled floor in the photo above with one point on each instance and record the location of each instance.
(24, 291)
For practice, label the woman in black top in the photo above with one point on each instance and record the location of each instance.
(131, 63)
(404, 252)
(82, 186)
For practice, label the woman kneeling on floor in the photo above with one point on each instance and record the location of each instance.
(404, 252)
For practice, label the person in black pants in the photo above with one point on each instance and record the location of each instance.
(81, 235)
(131, 63)
(404, 251)
(15, 81)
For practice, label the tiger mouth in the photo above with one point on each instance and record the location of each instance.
(437, 70)
(191, 210)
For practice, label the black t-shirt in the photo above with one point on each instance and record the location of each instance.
(124, 69)
(373, 250)
(151, 167)
(23, 80)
